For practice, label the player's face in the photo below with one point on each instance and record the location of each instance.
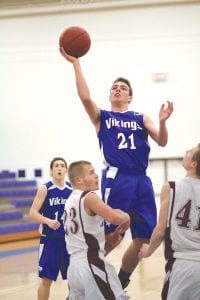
(59, 169)
(90, 179)
(120, 92)
(187, 161)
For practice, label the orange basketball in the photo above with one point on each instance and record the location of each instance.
(75, 41)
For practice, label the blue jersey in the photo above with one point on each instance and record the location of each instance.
(53, 207)
(123, 139)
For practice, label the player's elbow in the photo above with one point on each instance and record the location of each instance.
(114, 219)
(162, 140)
(162, 144)
(31, 213)
(120, 218)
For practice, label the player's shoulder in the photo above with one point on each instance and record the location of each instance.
(167, 186)
(104, 112)
(48, 184)
(68, 184)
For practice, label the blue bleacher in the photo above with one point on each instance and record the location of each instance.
(16, 184)
(18, 227)
(16, 197)
(17, 193)
(21, 202)
(10, 215)
(7, 174)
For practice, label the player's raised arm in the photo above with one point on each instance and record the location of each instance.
(160, 135)
(83, 90)
(114, 216)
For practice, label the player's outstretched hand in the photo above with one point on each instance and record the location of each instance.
(165, 111)
(68, 57)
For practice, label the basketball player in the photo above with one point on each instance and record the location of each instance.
(179, 226)
(90, 276)
(123, 139)
(47, 209)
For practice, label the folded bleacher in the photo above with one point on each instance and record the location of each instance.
(10, 215)
(18, 227)
(7, 174)
(16, 197)
(15, 184)
(21, 202)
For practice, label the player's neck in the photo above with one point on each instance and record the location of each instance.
(59, 183)
(192, 175)
(119, 108)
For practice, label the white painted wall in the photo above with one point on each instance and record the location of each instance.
(41, 115)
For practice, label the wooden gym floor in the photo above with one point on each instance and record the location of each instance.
(19, 280)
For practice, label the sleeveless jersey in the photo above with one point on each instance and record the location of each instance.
(90, 276)
(123, 140)
(183, 229)
(84, 233)
(53, 207)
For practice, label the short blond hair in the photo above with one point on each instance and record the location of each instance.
(76, 168)
(196, 158)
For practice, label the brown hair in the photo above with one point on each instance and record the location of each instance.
(55, 159)
(127, 82)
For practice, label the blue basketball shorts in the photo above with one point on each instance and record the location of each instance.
(53, 257)
(133, 194)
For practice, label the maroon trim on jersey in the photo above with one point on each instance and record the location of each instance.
(168, 269)
(169, 252)
(95, 260)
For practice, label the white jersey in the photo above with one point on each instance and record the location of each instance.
(183, 230)
(84, 233)
(90, 276)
